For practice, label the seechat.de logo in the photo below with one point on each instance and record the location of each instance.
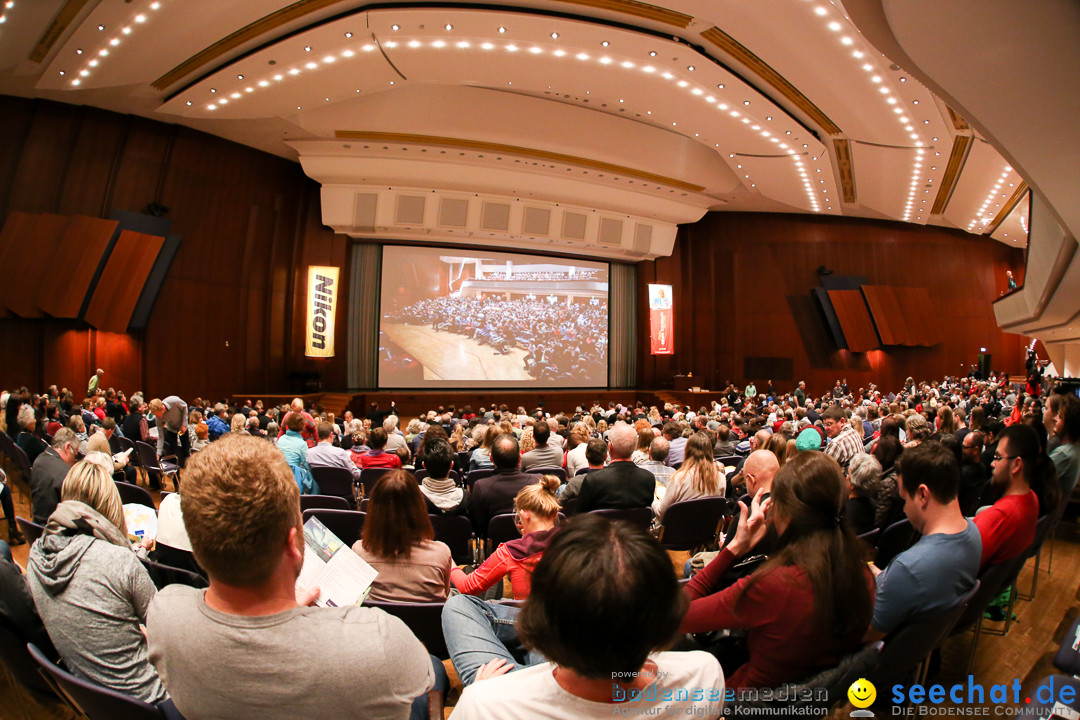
(862, 694)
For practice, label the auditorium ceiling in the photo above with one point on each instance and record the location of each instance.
(661, 110)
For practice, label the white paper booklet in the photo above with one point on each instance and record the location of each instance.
(342, 576)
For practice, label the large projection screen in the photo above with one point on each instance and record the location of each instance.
(477, 319)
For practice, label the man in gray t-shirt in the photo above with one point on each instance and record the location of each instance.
(935, 573)
(248, 646)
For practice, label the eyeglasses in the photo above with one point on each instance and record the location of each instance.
(1004, 457)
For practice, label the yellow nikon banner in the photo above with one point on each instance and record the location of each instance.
(322, 300)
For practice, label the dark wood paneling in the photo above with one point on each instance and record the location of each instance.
(79, 255)
(886, 315)
(122, 281)
(855, 320)
(35, 264)
(754, 273)
(44, 157)
(98, 142)
(17, 229)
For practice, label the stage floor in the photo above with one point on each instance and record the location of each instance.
(454, 357)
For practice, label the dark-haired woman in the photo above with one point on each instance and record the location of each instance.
(810, 604)
(398, 541)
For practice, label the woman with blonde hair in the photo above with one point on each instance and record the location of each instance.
(536, 510)
(238, 425)
(90, 588)
(698, 477)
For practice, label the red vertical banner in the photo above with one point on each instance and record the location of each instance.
(661, 323)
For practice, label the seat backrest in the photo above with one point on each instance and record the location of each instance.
(346, 524)
(308, 502)
(456, 531)
(30, 530)
(894, 540)
(14, 654)
(569, 505)
(369, 476)
(501, 528)
(556, 471)
(177, 558)
(147, 456)
(95, 701)
(727, 460)
(993, 580)
(21, 460)
(1067, 658)
(165, 575)
(475, 475)
(910, 644)
(125, 444)
(461, 461)
(691, 523)
(870, 537)
(425, 621)
(334, 481)
(640, 516)
(1042, 530)
(134, 494)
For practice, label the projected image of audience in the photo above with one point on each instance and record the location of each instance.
(492, 320)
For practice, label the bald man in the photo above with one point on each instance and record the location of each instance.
(308, 432)
(622, 484)
(759, 470)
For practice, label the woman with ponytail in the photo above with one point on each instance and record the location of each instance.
(810, 604)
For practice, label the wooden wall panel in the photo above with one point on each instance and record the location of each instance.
(139, 169)
(43, 158)
(98, 143)
(33, 264)
(16, 229)
(79, 252)
(122, 281)
(764, 271)
(855, 320)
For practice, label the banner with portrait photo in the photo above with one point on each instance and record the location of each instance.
(661, 323)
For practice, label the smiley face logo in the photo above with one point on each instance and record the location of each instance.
(862, 693)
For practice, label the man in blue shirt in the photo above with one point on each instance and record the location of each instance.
(937, 571)
(216, 422)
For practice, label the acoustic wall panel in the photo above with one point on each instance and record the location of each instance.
(885, 313)
(17, 228)
(81, 250)
(854, 318)
(121, 282)
(32, 279)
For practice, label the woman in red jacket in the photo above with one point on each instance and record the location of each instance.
(810, 604)
(536, 508)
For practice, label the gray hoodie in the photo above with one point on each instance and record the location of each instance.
(92, 593)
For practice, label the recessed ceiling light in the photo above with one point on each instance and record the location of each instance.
(834, 26)
(213, 90)
(903, 79)
(78, 51)
(745, 102)
(720, 86)
(605, 43)
(140, 18)
(448, 26)
(395, 27)
(114, 42)
(239, 77)
(502, 30)
(189, 103)
(348, 34)
(554, 36)
(307, 48)
(100, 27)
(652, 53)
(690, 68)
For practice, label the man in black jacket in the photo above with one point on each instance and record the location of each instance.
(495, 495)
(622, 484)
(50, 469)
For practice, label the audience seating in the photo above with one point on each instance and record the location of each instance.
(125, 444)
(569, 505)
(1043, 529)
(335, 481)
(908, 647)
(164, 575)
(22, 462)
(346, 524)
(30, 530)
(557, 472)
(368, 478)
(992, 580)
(729, 460)
(894, 540)
(329, 502)
(424, 619)
(457, 532)
(475, 475)
(134, 494)
(421, 473)
(1067, 659)
(870, 537)
(461, 462)
(501, 528)
(639, 517)
(177, 558)
(158, 467)
(90, 700)
(14, 654)
(693, 524)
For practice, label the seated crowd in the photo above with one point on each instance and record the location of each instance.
(786, 592)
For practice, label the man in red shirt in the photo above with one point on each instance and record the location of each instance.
(308, 431)
(1008, 526)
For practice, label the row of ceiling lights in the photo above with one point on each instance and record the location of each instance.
(981, 219)
(4, 13)
(98, 56)
(878, 79)
(534, 49)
